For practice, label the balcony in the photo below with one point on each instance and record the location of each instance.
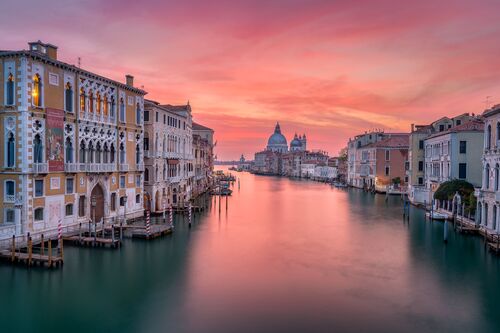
(71, 167)
(98, 118)
(175, 179)
(123, 167)
(40, 168)
(140, 167)
(97, 167)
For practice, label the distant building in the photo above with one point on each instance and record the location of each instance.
(383, 163)
(277, 141)
(360, 164)
(203, 158)
(299, 143)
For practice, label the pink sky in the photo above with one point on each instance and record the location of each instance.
(331, 69)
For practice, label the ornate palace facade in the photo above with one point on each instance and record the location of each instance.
(73, 143)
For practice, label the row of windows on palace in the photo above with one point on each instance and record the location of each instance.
(102, 104)
(174, 170)
(9, 197)
(167, 120)
(98, 153)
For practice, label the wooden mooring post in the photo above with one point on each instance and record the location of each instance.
(30, 251)
(50, 252)
(13, 255)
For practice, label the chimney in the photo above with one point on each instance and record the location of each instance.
(130, 80)
(48, 50)
(412, 127)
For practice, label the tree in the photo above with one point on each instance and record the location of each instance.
(447, 190)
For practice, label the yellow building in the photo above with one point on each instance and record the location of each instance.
(72, 144)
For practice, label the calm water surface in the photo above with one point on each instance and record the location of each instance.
(286, 256)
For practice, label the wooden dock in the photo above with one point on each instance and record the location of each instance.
(156, 230)
(30, 255)
(92, 241)
(32, 259)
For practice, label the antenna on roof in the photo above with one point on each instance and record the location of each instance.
(487, 102)
(79, 62)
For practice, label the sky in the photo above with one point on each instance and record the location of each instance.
(331, 69)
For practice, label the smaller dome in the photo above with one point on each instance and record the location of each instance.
(295, 143)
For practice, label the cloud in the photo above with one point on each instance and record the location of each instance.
(331, 68)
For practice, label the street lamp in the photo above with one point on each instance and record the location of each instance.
(125, 208)
(18, 204)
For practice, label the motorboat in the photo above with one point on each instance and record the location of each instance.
(436, 216)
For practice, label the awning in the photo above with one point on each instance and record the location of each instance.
(170, 161)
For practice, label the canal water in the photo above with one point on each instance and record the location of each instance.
(285, 256)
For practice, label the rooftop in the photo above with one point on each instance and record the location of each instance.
(50, 59)
(475, 125)
(198, 127)
(394, 141)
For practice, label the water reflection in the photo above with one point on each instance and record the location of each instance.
(285, 256)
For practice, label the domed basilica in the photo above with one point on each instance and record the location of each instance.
(277, 142)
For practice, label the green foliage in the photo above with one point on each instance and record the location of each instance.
(447, 190)
(396, 181)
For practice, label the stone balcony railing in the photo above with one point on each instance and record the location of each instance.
(10, 198)
(175, 179)
(101, 118)
(97, 167)
(123, 167)
(40, 167)
(71, 167)
(140, 167)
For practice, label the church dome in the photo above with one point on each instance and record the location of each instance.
(277, 138)
(295, 143)
(277, 141)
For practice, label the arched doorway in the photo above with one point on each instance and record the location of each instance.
(174, 196)
(97, 196)
(158, 201)
(147, 201)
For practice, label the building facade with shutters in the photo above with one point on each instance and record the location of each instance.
(203, 145)
(417, 189)
(488, 196)
(454, 154)
(168, 151)
(71, 138)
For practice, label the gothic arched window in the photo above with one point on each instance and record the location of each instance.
(122, 110)
(138, 114)
(11, 151)
(122, 154)
(10, 90)
(37, 149)
(112, 154)
(68, 96)
(82, 152)
(98, 105)
(137, 154)
(69, 150)
(82, 100)
(37, 90)
(91, 101)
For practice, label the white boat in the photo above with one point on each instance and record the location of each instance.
(436, 216)
(339, 184)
